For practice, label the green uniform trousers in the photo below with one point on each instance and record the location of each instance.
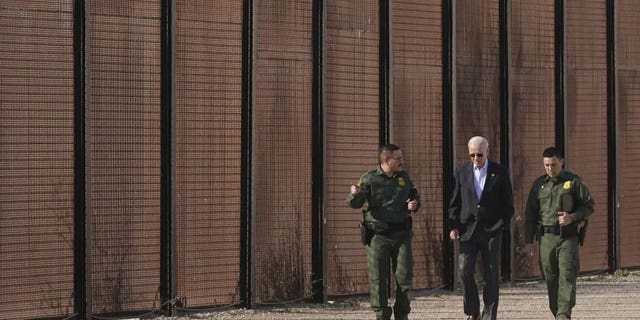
(393, 251)
(559, 262)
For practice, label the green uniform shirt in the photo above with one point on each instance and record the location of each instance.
(386, 196)
(543, 204)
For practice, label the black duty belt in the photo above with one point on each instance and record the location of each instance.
(391, 227)
(568, 231)
(399, 226)
(552, 229)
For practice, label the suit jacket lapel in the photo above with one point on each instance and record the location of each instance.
(469, 178)
(488, 182)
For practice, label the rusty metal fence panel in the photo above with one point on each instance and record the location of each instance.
(477, 80)
(532, 109)
(124, 155)
(416, 124)
(36, 159)
(208, 124)
(352, 133)
(586, 117)
(627, 14)
(282, 151)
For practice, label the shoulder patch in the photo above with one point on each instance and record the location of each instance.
(365, 176)
(567, 185)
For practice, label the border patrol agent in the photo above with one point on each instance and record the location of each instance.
(391, 197)
(557, 230)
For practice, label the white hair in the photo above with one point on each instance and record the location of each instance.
(478, 140)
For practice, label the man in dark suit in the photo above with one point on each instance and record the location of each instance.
(480, 210)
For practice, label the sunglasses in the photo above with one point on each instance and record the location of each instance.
(473, 155)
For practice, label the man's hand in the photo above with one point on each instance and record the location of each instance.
(412, 205)
(565, 218)
(531, 248)
(454, 235)
(355, 189)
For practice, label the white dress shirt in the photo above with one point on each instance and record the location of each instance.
(479, 177)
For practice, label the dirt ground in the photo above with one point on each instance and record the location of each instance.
(599, 297)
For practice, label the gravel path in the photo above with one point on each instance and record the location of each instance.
(599, 297)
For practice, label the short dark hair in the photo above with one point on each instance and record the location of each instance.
(552, 152)
(389, 148)
(386, 150)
